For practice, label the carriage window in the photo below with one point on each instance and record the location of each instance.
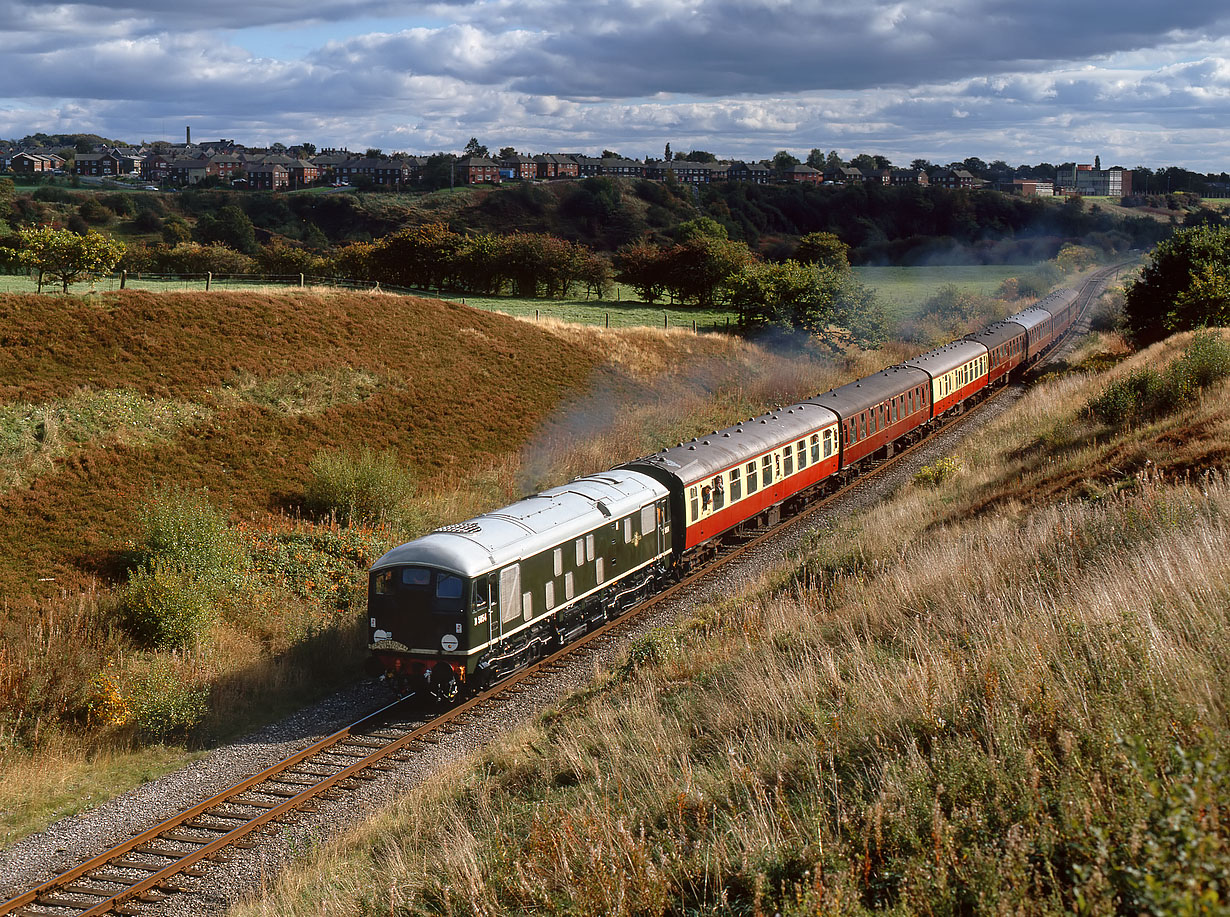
(788, 469)
(828, 443)
(800, 456)
(719, 491)
(751, 477)
(416, 576)
(559, 561)
(736, 485)
(449, 586)
(815, 446)
(766, 471)
(694, 503)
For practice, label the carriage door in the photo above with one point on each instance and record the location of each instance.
(509, 589)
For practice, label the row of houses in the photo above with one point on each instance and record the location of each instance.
(188, 164)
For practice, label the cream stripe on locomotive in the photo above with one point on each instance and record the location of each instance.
(728, 487)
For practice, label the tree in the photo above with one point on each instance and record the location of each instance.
(1185, 285)
(783, 162)
(611, 154)
(667, 154)
(232, 227)
(699, 156)
(475, 149)
(507, 152)
(815, 159)
(700, 227)
(64, 256)
(1097, 163)
(833, 161)
(921, 165)
(374, 152)
(824, 249)
(828, 305)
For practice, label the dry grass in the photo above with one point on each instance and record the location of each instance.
(232, 396)
(956, 704)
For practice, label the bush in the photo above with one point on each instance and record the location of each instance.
(167, 606)
(368, 487)
(188, 559)
(937, 473)
(152, 696)
(1148, 393)
(186, 532)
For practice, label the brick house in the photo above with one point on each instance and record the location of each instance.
(909, 177)
(755, 172)
(518, 167)
(190, 171)
(804, 174)
(953, 178)
(267, 176)
(31, 163)
(475, 170)
(556, 165)
(846, 175)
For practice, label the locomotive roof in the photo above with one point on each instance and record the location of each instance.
(949, 357)
(854, 397)
(994, 335)
(722, 449)
(528, 526)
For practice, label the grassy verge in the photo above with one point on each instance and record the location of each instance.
(1004, 692)
(200, 531)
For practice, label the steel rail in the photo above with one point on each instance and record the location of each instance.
(158, 884)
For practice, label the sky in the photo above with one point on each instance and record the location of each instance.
(1136, 83)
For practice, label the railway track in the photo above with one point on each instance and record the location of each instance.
(148, 867)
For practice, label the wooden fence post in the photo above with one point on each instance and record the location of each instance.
(209, 276)
(123, 279)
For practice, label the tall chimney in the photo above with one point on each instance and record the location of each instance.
(188, 138)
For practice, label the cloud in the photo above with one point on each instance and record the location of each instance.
(994, 78)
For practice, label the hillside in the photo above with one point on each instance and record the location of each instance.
(881, 224)
(1004, 693)
(168, 571)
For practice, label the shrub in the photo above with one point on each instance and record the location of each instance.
(189, 557)
(166, 606)
(152, 696)
(367, 487)
(186, 532)
(1124, 400)
(938, 472)
(1147, 393)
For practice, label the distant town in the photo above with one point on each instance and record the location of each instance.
(226, 163)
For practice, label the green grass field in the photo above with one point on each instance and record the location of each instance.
(903, 290)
